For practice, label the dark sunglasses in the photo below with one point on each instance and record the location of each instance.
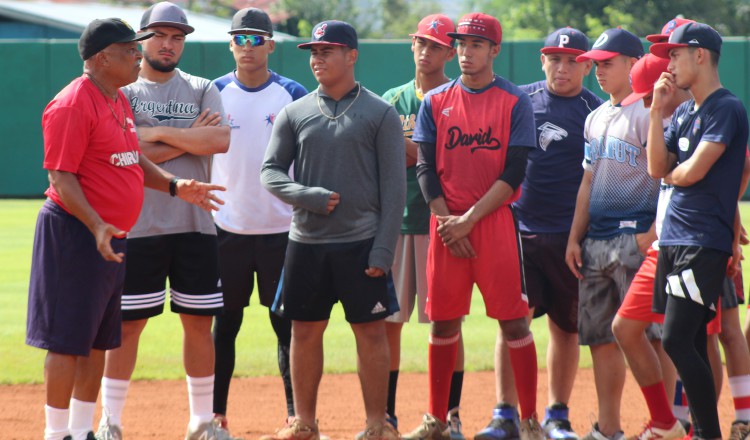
(253, 40)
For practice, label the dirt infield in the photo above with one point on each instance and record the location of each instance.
(158, 410)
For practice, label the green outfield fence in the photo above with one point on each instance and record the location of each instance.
(35, 70)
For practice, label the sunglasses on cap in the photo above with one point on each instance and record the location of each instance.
(252, 40)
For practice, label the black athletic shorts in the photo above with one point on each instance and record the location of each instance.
(316, 276)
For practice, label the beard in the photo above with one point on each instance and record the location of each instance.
(160, 66)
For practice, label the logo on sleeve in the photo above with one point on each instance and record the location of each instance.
(550, 132)
(697, 126)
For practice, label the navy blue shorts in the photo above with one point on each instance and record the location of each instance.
(74, 294)
(317, 276)
(191, 263)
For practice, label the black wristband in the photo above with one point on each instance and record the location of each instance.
(173, 186)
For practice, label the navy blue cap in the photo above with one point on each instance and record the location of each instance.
(566, 40)
(337, 33)
(689, 35)
(613, 42)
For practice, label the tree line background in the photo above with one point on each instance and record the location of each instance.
(521, 19)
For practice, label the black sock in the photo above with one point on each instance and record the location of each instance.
(457, 384)
(226, 327)
(392, 384)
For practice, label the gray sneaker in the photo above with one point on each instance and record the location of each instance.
(108, 432)
(454, 424)
(595, 434)
(430, 429)
(209, 431)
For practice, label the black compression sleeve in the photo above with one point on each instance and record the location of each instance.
(515, 166)
(427, 176)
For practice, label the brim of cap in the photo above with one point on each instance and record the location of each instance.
(661, 50)
(658, 38)
(181, 26)
(633, 97)
(597, 55)
(318, 43)
(237, 31)
(140, 36)
(457, 35)
(431, 38)
(569, 50)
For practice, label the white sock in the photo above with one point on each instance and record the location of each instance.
(201, 393)
(81, 418)
(114, 392)
(56, 420)
(740, 387)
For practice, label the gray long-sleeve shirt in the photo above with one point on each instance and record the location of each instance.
(360, 156)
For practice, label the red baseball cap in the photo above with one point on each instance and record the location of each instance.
(435, 28)
(480, 25)
(643, 76)
(667, 30)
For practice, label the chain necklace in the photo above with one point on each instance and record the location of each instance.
(333, 118)
(124, 123)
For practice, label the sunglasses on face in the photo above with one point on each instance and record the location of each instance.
(252, 40)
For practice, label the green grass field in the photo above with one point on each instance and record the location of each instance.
(161, 346)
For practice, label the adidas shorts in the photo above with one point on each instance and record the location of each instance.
(690, 273)
(189, 261)
(317, 276)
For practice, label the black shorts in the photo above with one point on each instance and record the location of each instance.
(689, 273)
(316, 276)
(243, 256)
(189, 261)
(550, 285)
(74, 294)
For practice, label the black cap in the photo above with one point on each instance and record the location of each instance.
(689, 35)
(166, 14)
(334, 32)
(100, 33)
(251, 20)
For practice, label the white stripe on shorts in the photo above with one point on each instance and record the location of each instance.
(210, 301)
(675, 288)
(147, 301)
(688, 277)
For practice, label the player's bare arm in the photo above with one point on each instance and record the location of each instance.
(645, 239)
(67, 186)
(456, 227)
(694, 169)
(189, 190)
(579, 227)
(660, 160)
(460, 248)
(159, 152)
(200, 141)
(412, 151)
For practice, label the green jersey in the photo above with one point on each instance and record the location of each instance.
(416, 219)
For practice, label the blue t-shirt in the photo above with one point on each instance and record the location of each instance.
(703, 214)
(553, 171)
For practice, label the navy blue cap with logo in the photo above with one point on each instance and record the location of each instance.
(566, 40)
(689, 35)
(337, 33)
(613, 42)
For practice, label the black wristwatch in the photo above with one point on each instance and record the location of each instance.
(173, 186)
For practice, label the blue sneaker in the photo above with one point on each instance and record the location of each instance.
(503, 426)
(556, 424)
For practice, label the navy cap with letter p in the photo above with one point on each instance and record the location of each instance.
(337, 33)
(613, 42)
(689, 35)
(566, 40)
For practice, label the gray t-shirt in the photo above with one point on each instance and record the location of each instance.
(175, 103)
(360, 156)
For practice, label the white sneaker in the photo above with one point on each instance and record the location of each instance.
(651, 432)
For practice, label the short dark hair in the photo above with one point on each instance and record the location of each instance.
(714, 55)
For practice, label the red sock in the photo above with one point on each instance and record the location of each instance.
(523, 360)
(441, 361)
(658, 405)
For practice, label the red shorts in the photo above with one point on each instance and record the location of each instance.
(637, 302)
(496, 270)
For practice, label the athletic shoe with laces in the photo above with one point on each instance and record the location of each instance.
(209, 431)
(430, 429)
(381, 431)
(392, 420)
(651, 432)
(530, 429)
(108, 432)
(556, 424)
(503, 426)
(454, 425)
(595, 434)
(739, 430)
(295, 429)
